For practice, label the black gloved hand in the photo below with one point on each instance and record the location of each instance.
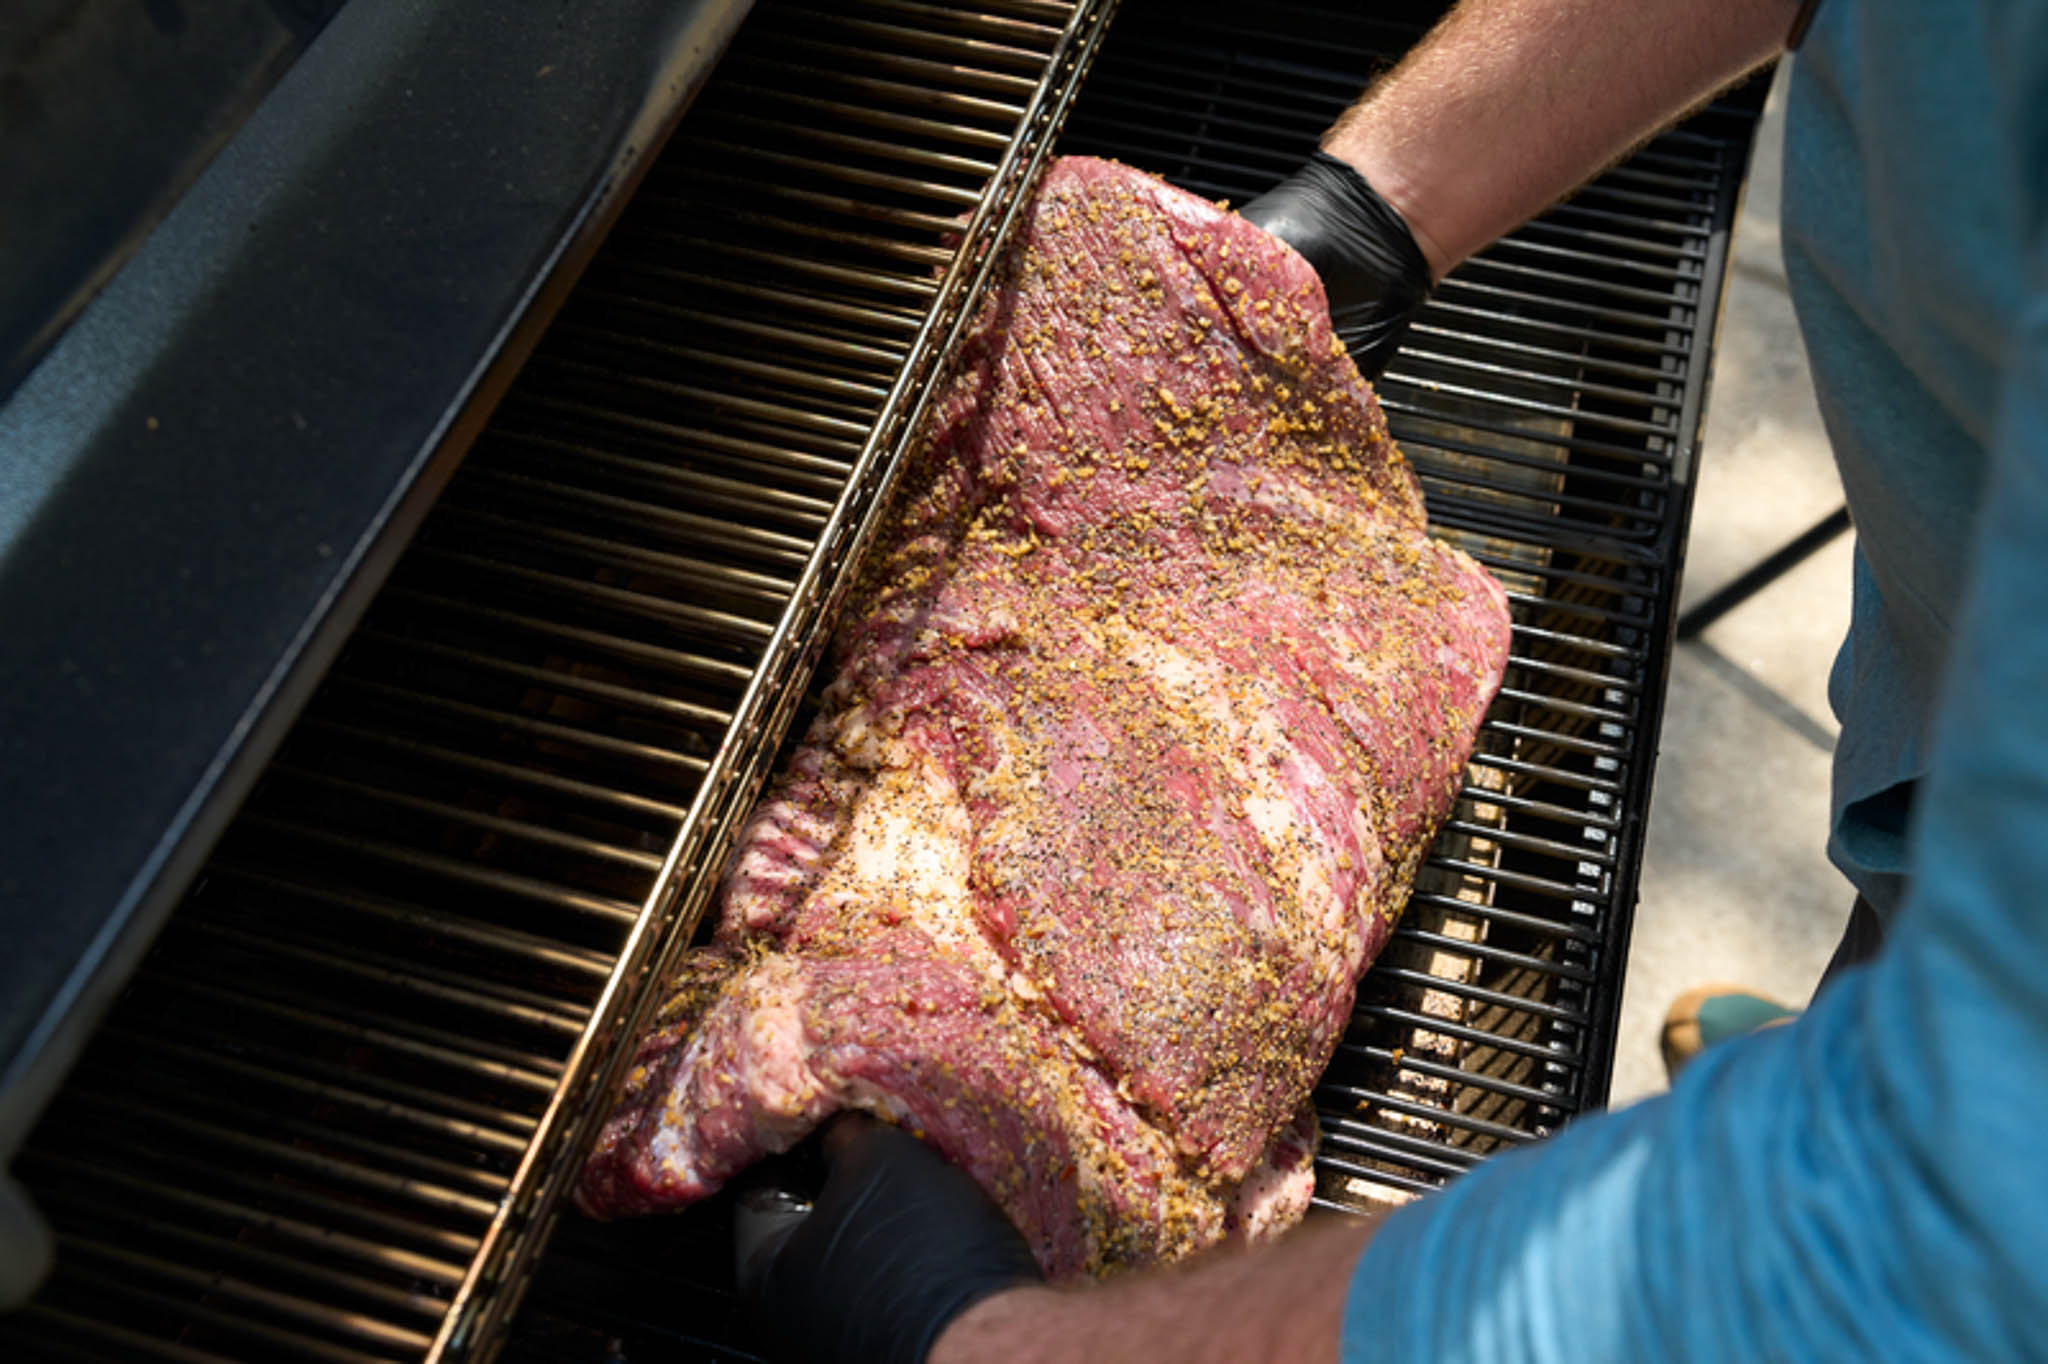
(897, 1244)
(1374, 273)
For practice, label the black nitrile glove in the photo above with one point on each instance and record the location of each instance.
(897, 1244)
(1372, 270)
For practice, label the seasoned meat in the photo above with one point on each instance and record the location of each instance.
(1148, 707)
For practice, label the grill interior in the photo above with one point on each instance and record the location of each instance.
(333, 1104)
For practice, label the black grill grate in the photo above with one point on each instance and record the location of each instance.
(297, 1134)
(1549, 399)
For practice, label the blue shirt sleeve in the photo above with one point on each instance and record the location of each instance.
(1872, 1181)
(1868, 1183)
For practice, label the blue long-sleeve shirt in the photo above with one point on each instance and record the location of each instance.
(1872, 1181)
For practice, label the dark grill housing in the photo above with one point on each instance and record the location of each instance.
(333, 1112)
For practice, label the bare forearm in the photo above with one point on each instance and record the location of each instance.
(1280, 1302)
(1511, 103)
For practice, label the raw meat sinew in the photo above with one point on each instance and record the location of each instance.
(1154, 696)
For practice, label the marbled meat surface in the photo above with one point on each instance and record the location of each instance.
(1148, 707)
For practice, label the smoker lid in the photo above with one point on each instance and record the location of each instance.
(112, 109)
(203, 480)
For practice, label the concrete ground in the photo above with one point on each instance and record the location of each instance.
(1735, 884)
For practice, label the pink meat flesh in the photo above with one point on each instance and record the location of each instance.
(1147, 709)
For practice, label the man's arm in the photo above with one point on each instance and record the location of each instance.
(1508, 104)
(1285, 1301)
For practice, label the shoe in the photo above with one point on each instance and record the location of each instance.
(1707, 1014)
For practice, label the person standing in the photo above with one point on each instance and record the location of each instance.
(1864, 1182)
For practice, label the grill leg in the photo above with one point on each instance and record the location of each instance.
(1763, 575)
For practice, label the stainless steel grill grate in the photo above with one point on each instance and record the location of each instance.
(332, 1115)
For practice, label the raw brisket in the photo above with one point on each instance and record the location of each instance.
(1150, 705)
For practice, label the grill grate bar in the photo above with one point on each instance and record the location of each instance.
(909, 125)
(1660, 326)
(789, 379)
(440, 1173)
(785, 296)
(1602, 617)
(1454, 488)
(1498, 955)
(741, 497)
(430, 756)
(1502, 876)
(686, 528)
(529, 1073)
(1488, 322)
(111, 1288)
(1565, 706)
(476, 819)
(454, 869)
(1519, 244)
(214, 1284)
(484, 1127)
(688, 667)
(923, 158)
(718, 625)
(1512, 918)
(1413, 1019)
(378, 1255)
(924, 69)
(444, 708)
(270, 1193)
(1619, 247)
(1410, 419)
(799, 76)
(373, 1180)
(1566, 673)
(829, 172)
(1037, 22)
(1659, 301)
(1378, 1143)
(1434, 1070)
(1364, 1099)
(310, 1278)
(690, 713)
(72, 1330)
(1392, 974)
(1511, 839)
(1512, 374)
(1587, 819)
(877, 357)
(501, 1003)
(978, 54)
